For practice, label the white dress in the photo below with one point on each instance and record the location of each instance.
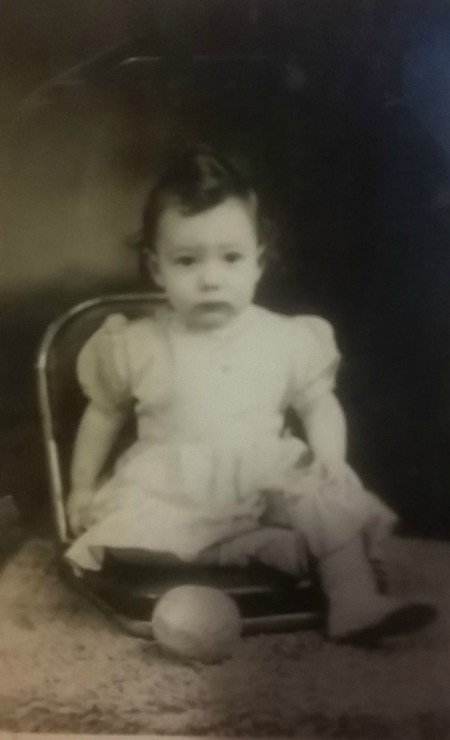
(211, 444)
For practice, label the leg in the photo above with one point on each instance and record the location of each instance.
(332, 519)
(276, 547)
(356, 609)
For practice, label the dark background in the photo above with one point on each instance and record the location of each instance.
(343, 111)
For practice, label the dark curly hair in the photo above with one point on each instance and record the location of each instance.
(198, 180)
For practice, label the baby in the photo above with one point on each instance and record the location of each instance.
(210, 378)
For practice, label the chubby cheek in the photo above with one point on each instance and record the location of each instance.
(164, 275)
(180, 287)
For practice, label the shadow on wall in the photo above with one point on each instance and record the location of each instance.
(67, 214)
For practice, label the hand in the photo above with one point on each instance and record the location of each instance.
(78, 509)
(334, 471)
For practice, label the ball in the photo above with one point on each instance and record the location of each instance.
(197, 623)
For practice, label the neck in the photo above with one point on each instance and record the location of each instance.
(229, 327)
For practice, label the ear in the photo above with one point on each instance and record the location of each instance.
(155, 270)
(262, 258)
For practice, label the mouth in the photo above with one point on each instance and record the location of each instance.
(213, 306)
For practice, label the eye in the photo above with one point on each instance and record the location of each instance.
(233, 256)
(186, 260)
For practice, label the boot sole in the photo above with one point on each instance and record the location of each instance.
(409, 618)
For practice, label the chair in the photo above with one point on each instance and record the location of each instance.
(268, 600)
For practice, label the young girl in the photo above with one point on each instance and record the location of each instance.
(210, 378)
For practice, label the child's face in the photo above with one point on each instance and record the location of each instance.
(208, 263)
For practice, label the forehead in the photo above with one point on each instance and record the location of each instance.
(230, 221)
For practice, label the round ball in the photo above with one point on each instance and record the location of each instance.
(197, 623)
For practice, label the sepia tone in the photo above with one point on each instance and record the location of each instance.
(342, 108)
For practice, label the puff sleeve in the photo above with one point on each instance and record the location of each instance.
(315, 360)
(102, 366)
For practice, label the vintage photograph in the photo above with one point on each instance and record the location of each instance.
(225, 368)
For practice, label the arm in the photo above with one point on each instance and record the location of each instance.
(102, 373)
(326, 430)
(96, 434)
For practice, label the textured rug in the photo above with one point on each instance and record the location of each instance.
(65, 668)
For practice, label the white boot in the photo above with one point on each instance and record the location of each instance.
(356, 610)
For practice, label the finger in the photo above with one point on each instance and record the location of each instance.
(338, 476)
(91, 516)
(85, 517)
(76, 520)
(332, 474)
(74, 524)
(99, 511)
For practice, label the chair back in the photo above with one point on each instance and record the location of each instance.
(61, 401)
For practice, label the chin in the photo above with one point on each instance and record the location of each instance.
(213, 319)
(212, 322)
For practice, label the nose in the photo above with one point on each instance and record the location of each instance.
(210, 275)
